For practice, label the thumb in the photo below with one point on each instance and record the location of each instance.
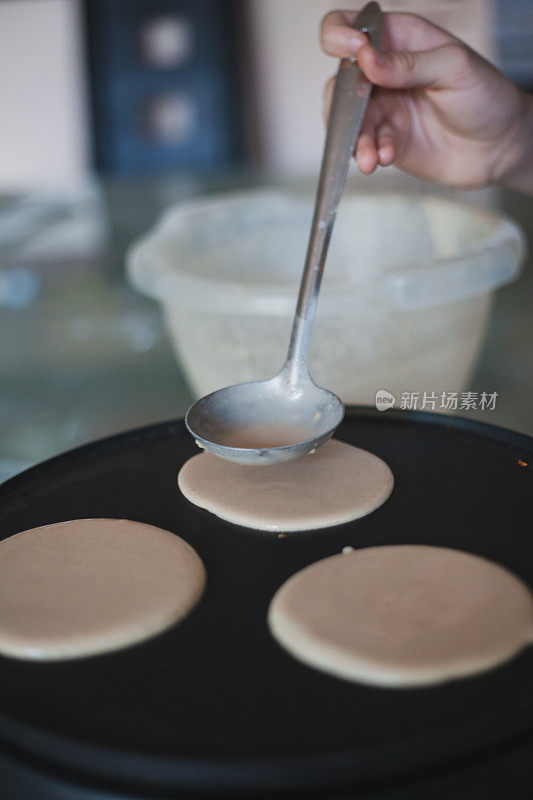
(404, 69)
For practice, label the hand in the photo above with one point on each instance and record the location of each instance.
(438, 110)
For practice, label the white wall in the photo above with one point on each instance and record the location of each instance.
(43, 129)
(290, 69)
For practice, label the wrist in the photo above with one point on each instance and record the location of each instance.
(515, 169)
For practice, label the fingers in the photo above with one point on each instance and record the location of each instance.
(401, 32)
(375, 146)
(337, 38)
(405, 69)
(385, 145)
(414, 53)
(366, 153)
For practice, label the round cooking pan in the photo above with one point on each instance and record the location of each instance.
(213, 707)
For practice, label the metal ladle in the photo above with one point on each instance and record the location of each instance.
(289, 412)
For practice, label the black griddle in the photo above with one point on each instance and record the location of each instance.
(214, 707)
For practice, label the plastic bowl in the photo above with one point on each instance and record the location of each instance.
(404, 304)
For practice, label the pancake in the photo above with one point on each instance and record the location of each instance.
(92, 585)
(338, 483)
(405, 615)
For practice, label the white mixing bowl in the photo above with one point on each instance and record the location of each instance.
(404, 304)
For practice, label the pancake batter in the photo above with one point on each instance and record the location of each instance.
(403, 615)
(336, 484)
(92, 585)
(264, 436)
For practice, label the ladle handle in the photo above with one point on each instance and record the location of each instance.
(350, 99)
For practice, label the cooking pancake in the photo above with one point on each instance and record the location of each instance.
(92, 585)
(403, 615)
(338, 483)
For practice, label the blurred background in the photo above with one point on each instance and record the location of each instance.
(114, 110)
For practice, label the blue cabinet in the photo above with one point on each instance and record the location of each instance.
(164, 78)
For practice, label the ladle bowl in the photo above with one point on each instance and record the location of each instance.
(265, 421)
